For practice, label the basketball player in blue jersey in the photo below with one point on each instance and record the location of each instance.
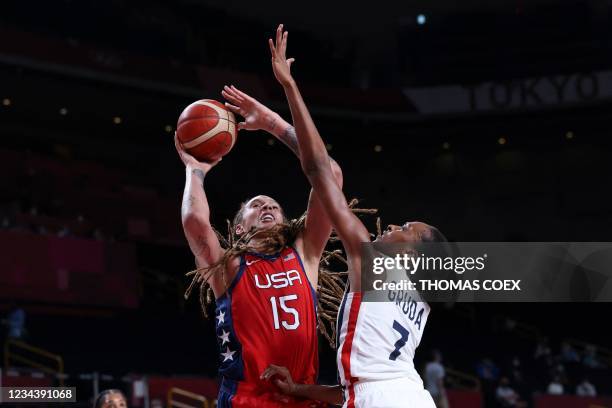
(376, 340)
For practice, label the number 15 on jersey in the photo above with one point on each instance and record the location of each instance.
(282, 301)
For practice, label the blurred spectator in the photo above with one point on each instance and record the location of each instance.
(559, 372)
(586, 389)
(542, 350)
(514, 368)
(568, 354)
(506, 396)
(110, 399)
(517, 377)
(15, 323)
(434, 380)
(98, 234)
(487, 370)
(64, 232)
(543, 361)
(555, 387)
(590, 359)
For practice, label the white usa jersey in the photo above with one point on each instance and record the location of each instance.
(377, 340)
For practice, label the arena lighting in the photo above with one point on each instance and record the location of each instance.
(569, 135)
(421, 19)
(168, 128)
(329, 146)
(270, 142)
(117, 120)
(446, 145)
(502, 141)
(63, 111)
(378, 148)
(6, 102)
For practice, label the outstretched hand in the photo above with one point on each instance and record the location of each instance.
(280, 64)
(256, 115)
(190, 161)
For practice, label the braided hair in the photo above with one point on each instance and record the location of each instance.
(331, 284)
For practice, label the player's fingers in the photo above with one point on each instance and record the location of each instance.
(233, 108)
(272, 50)
(230, 98)
(241, 94)
(283, 46)
(275, 367)
(232, 93)
(272, 371)
(279, 36)
(227, 93)
(267, 373)
(242, 125)
(290, 61)
(177, 144)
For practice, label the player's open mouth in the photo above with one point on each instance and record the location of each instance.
(266, 218)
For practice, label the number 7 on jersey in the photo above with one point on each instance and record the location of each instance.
(404, 333)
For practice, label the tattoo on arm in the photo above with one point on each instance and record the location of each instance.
(199, 173)
(290, 139)
(187, 203)
(272, 124)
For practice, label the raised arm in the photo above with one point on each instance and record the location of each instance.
(318, 226)
(316, 163)
(195, 216)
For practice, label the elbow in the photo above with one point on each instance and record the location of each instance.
(312, 168)
(336, 171)
(193, 221)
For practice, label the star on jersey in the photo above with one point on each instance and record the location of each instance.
(228, 355)
(224, 337)
(221, 317)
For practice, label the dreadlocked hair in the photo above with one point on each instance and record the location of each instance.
(331, 284)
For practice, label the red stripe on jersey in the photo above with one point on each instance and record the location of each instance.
(348, 345)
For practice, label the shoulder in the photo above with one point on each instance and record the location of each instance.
(220, 282)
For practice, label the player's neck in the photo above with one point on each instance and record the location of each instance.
(259, 246)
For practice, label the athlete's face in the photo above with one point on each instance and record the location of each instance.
(260, 212)
(413, 231)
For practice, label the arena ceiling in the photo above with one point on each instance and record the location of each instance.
(366, 16)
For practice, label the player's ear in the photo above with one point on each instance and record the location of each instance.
(239, 229)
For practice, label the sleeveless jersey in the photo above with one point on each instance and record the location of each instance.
(267, 316)
(378, 340)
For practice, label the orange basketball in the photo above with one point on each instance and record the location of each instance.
(207, 130)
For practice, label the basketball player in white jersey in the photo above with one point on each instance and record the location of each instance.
(376, 340)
